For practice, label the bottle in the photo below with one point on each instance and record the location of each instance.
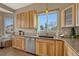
(73, 33)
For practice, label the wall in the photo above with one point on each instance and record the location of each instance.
(42, 6)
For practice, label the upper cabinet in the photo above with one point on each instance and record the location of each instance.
(18, 20)
(68, 16)
(26, 19)
(77, 13)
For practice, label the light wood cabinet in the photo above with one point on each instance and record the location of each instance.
(49, 47)
(31, 21)
(22, 20)
(59, 48)
(77, 14)
(41, 48)
(18, 20)
(28, 20)
(13, 42)
(18, 43)
(8, 43)
(25, 19)
(68, 16)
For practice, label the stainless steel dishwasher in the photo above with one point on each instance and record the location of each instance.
(30, 45)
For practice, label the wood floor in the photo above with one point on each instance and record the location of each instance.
(13, 52)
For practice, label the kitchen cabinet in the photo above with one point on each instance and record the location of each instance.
(49, 47)
(18, 20)
(18, 43)
(77, 13)
(68, 50)
(8, 43)
(26, 19)
(1, 25)
(31, 20)
(22, 20)
(59, 48)
(41, 47)
(68, 16)
(14, 42)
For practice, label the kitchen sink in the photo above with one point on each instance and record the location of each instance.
(47, 36)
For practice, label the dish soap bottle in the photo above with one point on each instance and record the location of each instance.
(73, 33)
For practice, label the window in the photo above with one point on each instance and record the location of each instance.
(52, 20)
(48, 22)
(41, 21)
(8, 24)
(8, 21)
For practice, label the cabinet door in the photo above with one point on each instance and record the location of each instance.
(32, 14)
(8, 43)
(41, 48)
(28, 20)
(18, 20)
(14, 43)
(65, 49)
(25, 20)
(22, 20)
(51, 48)
(20, 43)
(59, 48)
(77, 14)
(68, 16)
(31, 19)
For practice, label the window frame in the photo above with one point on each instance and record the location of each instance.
(50, 11)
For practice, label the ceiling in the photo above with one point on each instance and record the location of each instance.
(4, 10)
(16, 5)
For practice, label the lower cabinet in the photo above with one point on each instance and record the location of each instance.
(41, 48)
(13, 42)
(18, 43)
(49, 47)
(59, 48)
(8, 43)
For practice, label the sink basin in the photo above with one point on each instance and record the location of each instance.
(47, 36)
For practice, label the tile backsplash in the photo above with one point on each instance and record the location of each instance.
(67, 30)
(26, 31)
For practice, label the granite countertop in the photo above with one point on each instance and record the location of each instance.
(73, 43)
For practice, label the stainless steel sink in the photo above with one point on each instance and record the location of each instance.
(47, 36)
